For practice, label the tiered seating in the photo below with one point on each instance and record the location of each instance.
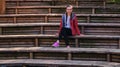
(52, 63)
(57, 2)
(60, 9)
(45, 54)
(52, 28)
(54, 18)
(29, 26)
(98, 41)
(82, 6)
(61, 53)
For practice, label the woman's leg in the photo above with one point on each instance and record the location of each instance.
(66, 39)
(66, 35)
(56, 44)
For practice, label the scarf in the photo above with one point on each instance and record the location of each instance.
(64, 18)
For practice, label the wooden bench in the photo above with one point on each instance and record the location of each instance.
(99, 41)
(37, 18)
(93, 54)
(52, 28)
(60, 9)
(57, 63)
(62, 2)
(56, 2)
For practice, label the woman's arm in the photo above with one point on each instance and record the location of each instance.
(76, 26)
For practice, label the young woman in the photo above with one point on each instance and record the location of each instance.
(68, 26)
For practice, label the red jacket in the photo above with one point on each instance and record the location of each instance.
(74, 26)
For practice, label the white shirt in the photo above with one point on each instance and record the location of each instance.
(67, 25)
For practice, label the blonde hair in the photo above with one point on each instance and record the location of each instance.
(69, 6)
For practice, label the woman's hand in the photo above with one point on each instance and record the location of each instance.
(57, 34)
(81, 34)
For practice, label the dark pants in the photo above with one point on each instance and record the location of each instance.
(65, 32)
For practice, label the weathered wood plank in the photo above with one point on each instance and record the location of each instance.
(59, 62)
(56, 24)
(20, 7)
(38, 18)
(96, 54)
(57, 9)
(64, 50)
(99, 15)
(47, 41)
(54, 36)
(2, 6)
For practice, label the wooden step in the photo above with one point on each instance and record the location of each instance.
(98, 41)
(55, 2)
(57, 9)
(60, 2)
(37, 18)
(52, 28)
(99, 15)
(58, 63)
(85, 54)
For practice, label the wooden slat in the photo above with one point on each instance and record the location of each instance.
(54, 36)
(51, 55)
(89, 56)
(58, 2)
(99, 15)
(2, 6)
(1, 31)
(98, 41)
(38, 18)
(14, 55)
(16, 42)
(50, 49)
(60, 62)
(57, 9)
(96, 54)
(90, 7)
(64, 50)
(52, 28)
(56, 24)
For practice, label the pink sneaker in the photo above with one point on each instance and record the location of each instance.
(68, 46)
(56, 44)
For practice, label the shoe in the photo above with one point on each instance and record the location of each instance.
(68, 46)
(56, 44)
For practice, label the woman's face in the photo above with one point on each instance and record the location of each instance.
(69, 10)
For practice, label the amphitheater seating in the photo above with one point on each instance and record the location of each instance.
(50, 6)
(58, 2)
(57, 9)
(93, 41)
(28, 28)
(54, 18)
(52, 28)
(52, 63)
(102, 54)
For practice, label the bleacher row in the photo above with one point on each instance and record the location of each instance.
(47, 56)
(28, 30)
(54, 18)
(23, 7)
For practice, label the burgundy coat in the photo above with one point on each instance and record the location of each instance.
(74, 26)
